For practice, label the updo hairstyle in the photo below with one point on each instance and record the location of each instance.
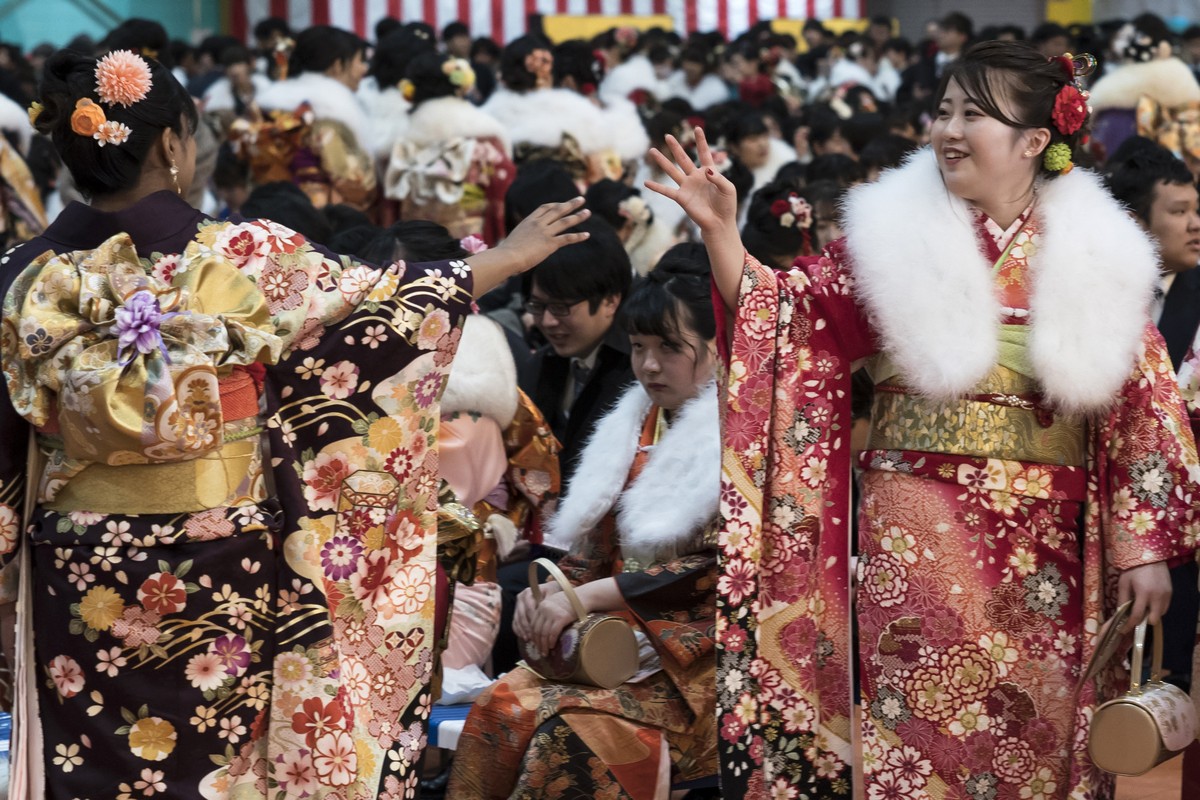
(429, 79)
(69, 76)
(512, 63)
(675, 296)
(992, 73)
(320, 47)
(396, 52)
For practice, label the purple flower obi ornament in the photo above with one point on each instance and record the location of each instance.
(138, 327)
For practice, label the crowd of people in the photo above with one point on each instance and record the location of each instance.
(312, 348)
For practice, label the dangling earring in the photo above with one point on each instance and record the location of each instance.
(175, 178)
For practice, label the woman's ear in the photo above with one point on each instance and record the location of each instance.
(1038, 140)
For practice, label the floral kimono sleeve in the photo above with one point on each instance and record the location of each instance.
(1146, 476)
(594, 555)
(352, 413)
(14, 444)
(1189, 387)
(783, 597)
(674, 602)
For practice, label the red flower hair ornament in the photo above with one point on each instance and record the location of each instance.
(1070, 109)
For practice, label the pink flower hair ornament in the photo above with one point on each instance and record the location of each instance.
(122, 78)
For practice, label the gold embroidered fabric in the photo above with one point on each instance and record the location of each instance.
(1005, 426)
(122, 392)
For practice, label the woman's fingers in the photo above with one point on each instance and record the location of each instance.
(667, 165)
(682, 159)
(706, 158)
(669, 192)
(568, 221)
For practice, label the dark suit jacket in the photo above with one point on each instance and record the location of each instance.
(544, 379)
(1181, 315)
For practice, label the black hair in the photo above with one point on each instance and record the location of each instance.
(675, 296)
(698, 52)
(485, 44)
(604, 198)
(428, 79)
(1047, 31)
(576, 59)
(322, 46)
(512, 62)
(765, 236)
(543, 180)
(386, 26)
(743, 126)
(342, 217)
(265, 28)
(396, 51)
(454, 29)
(958, 22)
(823, 124)
(1137, 168)
(886, 151)
(1192, 32)
(900, 45)
(285, 203)
(356, 242)
(230, 171)
(414, 240)
(213, 46)
(235, 54)
(68, 77)
(145, 37)
(837, 167)
(862, 127)
(990, 72)
(595, 269)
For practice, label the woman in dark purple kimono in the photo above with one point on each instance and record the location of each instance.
(226, 585)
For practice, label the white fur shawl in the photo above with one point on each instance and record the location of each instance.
(483, 376)
(625, 79)
(627, 135)
(329, 99)
(448, 118)
(780, 153)
(677, 490)
(542, 116)
(1168, 80)
(927, 288)
(388, 111)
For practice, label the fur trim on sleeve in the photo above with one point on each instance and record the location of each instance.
(483, 375)
(1169, 81)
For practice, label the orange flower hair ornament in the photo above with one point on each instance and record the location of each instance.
(122, 79)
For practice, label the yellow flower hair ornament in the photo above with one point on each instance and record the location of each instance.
(459, 71)
(1057, 158)
(35, 111)
(407, 90)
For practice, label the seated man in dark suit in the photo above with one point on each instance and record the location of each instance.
(573, 297)
(1158, 189)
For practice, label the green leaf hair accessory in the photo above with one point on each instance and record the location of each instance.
(1057, 158)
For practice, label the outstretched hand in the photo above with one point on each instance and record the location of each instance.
(545, 231)
(706, 195)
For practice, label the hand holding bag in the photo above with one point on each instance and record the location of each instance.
(1152, 722)
(596, 650)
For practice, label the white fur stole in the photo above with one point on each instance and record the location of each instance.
(928, 289)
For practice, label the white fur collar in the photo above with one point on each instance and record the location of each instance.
(483, 376)
(625, 129)
(625, 79)
(927, 288)
(1168, 80)
(542, 116)
(388, 111)
(446, 118)
(329, 99)
(676, 492)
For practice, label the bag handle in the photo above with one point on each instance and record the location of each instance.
(562, 581)
(1139, 646)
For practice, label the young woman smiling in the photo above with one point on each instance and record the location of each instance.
(1027, 469)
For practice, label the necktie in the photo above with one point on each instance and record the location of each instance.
(582, 373)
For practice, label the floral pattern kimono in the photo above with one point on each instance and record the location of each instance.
(991, 527)
(214, 617)
(528, 737)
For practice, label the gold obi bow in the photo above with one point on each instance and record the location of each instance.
(128, 362)
(1175, 128)
(430, 172)
(270, 144)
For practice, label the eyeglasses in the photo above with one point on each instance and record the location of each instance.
(560, 309)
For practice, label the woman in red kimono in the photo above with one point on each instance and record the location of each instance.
(1029, 464)
(225, 587)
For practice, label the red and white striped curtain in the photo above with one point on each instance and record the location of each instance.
(504, 20)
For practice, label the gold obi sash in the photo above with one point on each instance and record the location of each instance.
(228, 476)
(1001, 419)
